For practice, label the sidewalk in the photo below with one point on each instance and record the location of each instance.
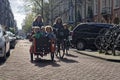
(100, 55)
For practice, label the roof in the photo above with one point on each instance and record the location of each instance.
(93, 23)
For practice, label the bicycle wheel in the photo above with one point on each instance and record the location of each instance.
(31, 57)
(52, 56)
(57, 52)
(67, 44)
(62, 46)
(98, 42)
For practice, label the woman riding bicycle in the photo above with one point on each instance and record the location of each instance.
(38, 21)
(59, 31)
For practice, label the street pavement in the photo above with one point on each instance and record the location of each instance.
(74, 66)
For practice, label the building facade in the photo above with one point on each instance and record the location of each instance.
(106, 10)
(62, 8)
(6, 15)
(76, 11)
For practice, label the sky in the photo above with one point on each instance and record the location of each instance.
(18, 11)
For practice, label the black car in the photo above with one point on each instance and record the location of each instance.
(84, 34)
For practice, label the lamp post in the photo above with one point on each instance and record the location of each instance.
(75, 12)
(51, 11)
(42, 7)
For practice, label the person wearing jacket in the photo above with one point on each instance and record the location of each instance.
(58, 29)
(66, 36)
(66, 31)
(38, 21)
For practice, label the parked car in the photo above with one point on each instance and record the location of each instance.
(83, 35)
(12, 39)
(4, 44)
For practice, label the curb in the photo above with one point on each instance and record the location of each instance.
(99, 57)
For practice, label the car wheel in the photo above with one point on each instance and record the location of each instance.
(80, 45)
(52, 56)
(12, 47)
(8, 53)
(4, 52)
(31, 57)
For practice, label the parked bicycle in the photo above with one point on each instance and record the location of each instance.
(108, 39)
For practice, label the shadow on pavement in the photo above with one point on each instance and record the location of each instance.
(45, 62)
(2, 62)
(69, 60)
(70, 55)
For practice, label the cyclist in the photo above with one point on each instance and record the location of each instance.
(66, 36)
(66, 31)
(38, 21)
(58, 29)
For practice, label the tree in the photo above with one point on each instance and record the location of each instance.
(39, 7)
(33, 8)
(27, 24)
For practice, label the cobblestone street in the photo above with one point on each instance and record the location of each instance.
(74, 66)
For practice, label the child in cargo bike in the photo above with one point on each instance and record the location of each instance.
(35, 30)
(51, 36)
(43, 42)
(49, 33)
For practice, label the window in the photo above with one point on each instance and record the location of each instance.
(96, 6)
(81, 28)
(117, 2)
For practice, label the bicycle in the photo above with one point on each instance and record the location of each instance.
(110, 40)
(60, 46)
(67, 44)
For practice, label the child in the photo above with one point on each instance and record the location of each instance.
(49, 33)
(66, 35)
(35, 30)
(66, 31)
(51, 36)
(43, 31)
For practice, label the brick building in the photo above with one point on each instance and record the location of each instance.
(75, 11)
(106, 10)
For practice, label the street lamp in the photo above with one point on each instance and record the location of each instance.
(75, 12)
(42, 7)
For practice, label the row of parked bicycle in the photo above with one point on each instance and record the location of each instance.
(97, 36)
(108, 39)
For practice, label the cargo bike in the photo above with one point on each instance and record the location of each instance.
(41, 47)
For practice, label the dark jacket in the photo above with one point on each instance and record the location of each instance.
(58, 31)
(66, 33)
(35, 23)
